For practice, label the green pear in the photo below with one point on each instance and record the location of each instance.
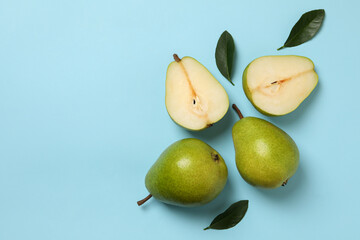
(194, 99)
(265, 155)
(277, 85)
(188, 173)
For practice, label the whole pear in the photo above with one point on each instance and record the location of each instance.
(265, 155)
(188, 173)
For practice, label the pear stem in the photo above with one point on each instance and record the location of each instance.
(238, 111)
(284, 183)
(141, 202)
(176, 57)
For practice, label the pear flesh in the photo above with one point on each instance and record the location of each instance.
(276, 85)
(194, 98)
(188, 173)
(265, 155)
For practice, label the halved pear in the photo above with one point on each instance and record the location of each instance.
(194, 99)
(276, 85)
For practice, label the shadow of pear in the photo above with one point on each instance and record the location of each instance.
(300, 112)
(208, 211)
(290, 191)
(219, 128)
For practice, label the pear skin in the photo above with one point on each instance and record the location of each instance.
(188, 173)
(266, 156)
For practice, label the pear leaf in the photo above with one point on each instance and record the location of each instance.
(224, 55)
(305, 28)
(232, 216)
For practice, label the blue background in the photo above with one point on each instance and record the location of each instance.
(82, 118)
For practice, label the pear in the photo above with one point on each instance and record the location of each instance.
(194, 99)
(277, 85)
(265, 155)
(188, 173)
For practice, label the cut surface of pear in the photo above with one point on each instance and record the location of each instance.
(188, 173)
(194, 99)
(276, 85)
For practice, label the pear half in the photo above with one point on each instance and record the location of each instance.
(276, 85)
(194, 99)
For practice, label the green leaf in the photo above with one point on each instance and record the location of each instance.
(230, 217)
(305, 29)
(224, 55)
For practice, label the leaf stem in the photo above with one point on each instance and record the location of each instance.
(280, 48)
(238, 111)
(176, 57)
(141, 202)
(207, 228)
